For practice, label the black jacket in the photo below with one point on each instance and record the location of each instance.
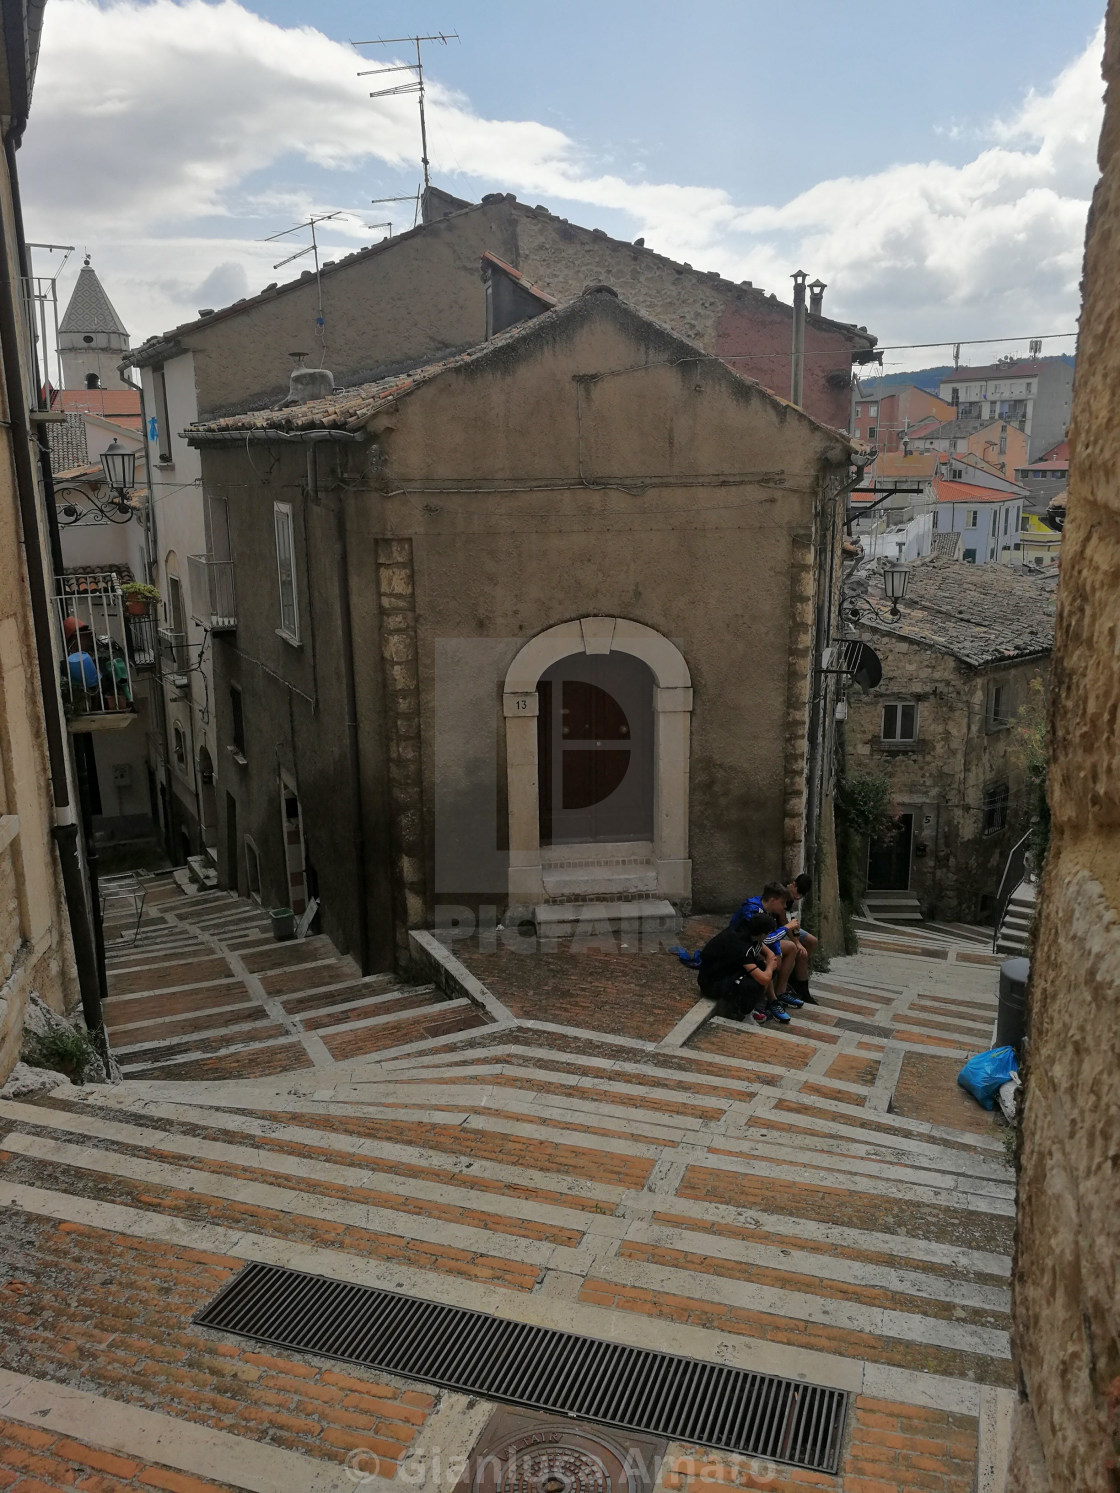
(726, 954)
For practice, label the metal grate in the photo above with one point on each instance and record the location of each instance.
(635, 1389)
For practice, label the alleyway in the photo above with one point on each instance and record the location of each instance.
(820, 1202)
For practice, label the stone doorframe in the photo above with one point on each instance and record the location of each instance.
(672, 707)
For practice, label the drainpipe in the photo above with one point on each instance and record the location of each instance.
(82, 915)
(346, 632)
(797, 360)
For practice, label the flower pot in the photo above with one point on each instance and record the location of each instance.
(283, 923)
(136, 606)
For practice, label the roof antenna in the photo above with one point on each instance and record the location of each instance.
(417, 84)
(311, 248)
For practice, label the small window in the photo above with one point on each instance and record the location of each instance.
(900, 722)
(1024, 523)
(871, 432)
(285, 567)
(995, 809)
(997, 707)
(252, 869)
(1028, 388)
(1006, 519)
(237, 711)
(936, 519)
(970, 557)
(973, 518)
(179, 745)
(163, 419)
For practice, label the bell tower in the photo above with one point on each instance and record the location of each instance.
(91, 336)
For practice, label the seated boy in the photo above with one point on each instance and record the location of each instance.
(797, 890)
(784, 940)
(737, 969)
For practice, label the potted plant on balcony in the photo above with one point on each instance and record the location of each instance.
(138, 597)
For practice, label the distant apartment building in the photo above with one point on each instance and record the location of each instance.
(1035, 396)
(997, 443)
(963, 497)
(883, 420)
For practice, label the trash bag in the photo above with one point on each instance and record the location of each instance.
(691, 960)
(984, 1075)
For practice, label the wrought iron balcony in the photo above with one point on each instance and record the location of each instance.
(213, 594)
(95, 669)
(174, 660)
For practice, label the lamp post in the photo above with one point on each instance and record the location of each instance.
(119, 465)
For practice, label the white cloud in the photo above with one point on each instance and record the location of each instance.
(217, 119)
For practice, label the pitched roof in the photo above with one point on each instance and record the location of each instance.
(111, 404)
(166, 345)
(1025, 368)
(1057, 468)
(959, 428)
(948, 543)
(67, 442)
(350, 409)
(947, 491)
(1060, 452)
(981, 614)
(90, 309)
(507, 269)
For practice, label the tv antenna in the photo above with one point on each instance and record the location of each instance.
(415, 85)
(311, 248)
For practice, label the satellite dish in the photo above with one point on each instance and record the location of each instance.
(861, 663)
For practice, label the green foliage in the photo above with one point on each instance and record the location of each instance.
(1028, 748)
(863, 812)
(138, 591)
(64, 1049)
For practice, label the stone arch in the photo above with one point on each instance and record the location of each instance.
(672, 705)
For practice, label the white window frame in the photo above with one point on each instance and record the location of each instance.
(972, 518)
(898, 706)
(283, 525)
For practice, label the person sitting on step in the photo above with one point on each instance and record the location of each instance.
(784, 941)
(797, 889)
(737, 970)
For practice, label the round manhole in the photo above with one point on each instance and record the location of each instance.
(562, 1459)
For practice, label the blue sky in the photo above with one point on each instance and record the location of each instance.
(933, 166)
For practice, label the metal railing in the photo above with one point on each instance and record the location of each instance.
(213, 593)
(1013, 873)
(143, 645)
(173, 651)
(95, 670)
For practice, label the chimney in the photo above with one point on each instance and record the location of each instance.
(797, 357)
(817, 289)
(308, 383)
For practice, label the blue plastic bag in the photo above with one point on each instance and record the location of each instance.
(984, 1075)
(692, 960)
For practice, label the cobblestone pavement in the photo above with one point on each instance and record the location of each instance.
(817, 1202)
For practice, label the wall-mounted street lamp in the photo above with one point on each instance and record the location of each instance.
(119, 465)
(896, 579)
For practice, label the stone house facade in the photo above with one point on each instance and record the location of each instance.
(39, 856)
(957, 669)
(576, 573)
(403, 302)
(1065, 1286)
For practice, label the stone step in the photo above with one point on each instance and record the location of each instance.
(643, 915)
(599, 882)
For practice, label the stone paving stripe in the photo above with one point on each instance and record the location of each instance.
(641, 1331)
(801, 1306)
(701, 1012)
(195, 1449)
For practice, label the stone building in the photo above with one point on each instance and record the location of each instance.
(1066, 1334)
(39, 857)
(957, 668)
(405, 301)
(92, 339)
(531, 626)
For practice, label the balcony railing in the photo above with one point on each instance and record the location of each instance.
(212, 592)
(95, 670)
(173, 652)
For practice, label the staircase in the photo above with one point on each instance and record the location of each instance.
(1014, 934)
(601, 886)
(892, 907)
(203, 991)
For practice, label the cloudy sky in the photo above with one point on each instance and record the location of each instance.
(934, 167)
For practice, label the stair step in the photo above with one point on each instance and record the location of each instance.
(649, 915)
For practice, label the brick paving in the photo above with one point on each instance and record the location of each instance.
(820, 1200)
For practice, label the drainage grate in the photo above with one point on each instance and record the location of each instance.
(635, 1389)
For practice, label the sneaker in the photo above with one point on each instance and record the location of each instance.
(779, 1013)
(790, 999)
(760, 1016)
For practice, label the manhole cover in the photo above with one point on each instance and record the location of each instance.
(520, 1453)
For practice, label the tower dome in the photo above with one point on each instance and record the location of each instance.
(92, 339)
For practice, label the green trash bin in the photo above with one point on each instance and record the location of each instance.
(283, 923)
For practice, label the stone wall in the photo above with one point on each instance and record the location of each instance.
(1067, 1271)
(941, 777)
